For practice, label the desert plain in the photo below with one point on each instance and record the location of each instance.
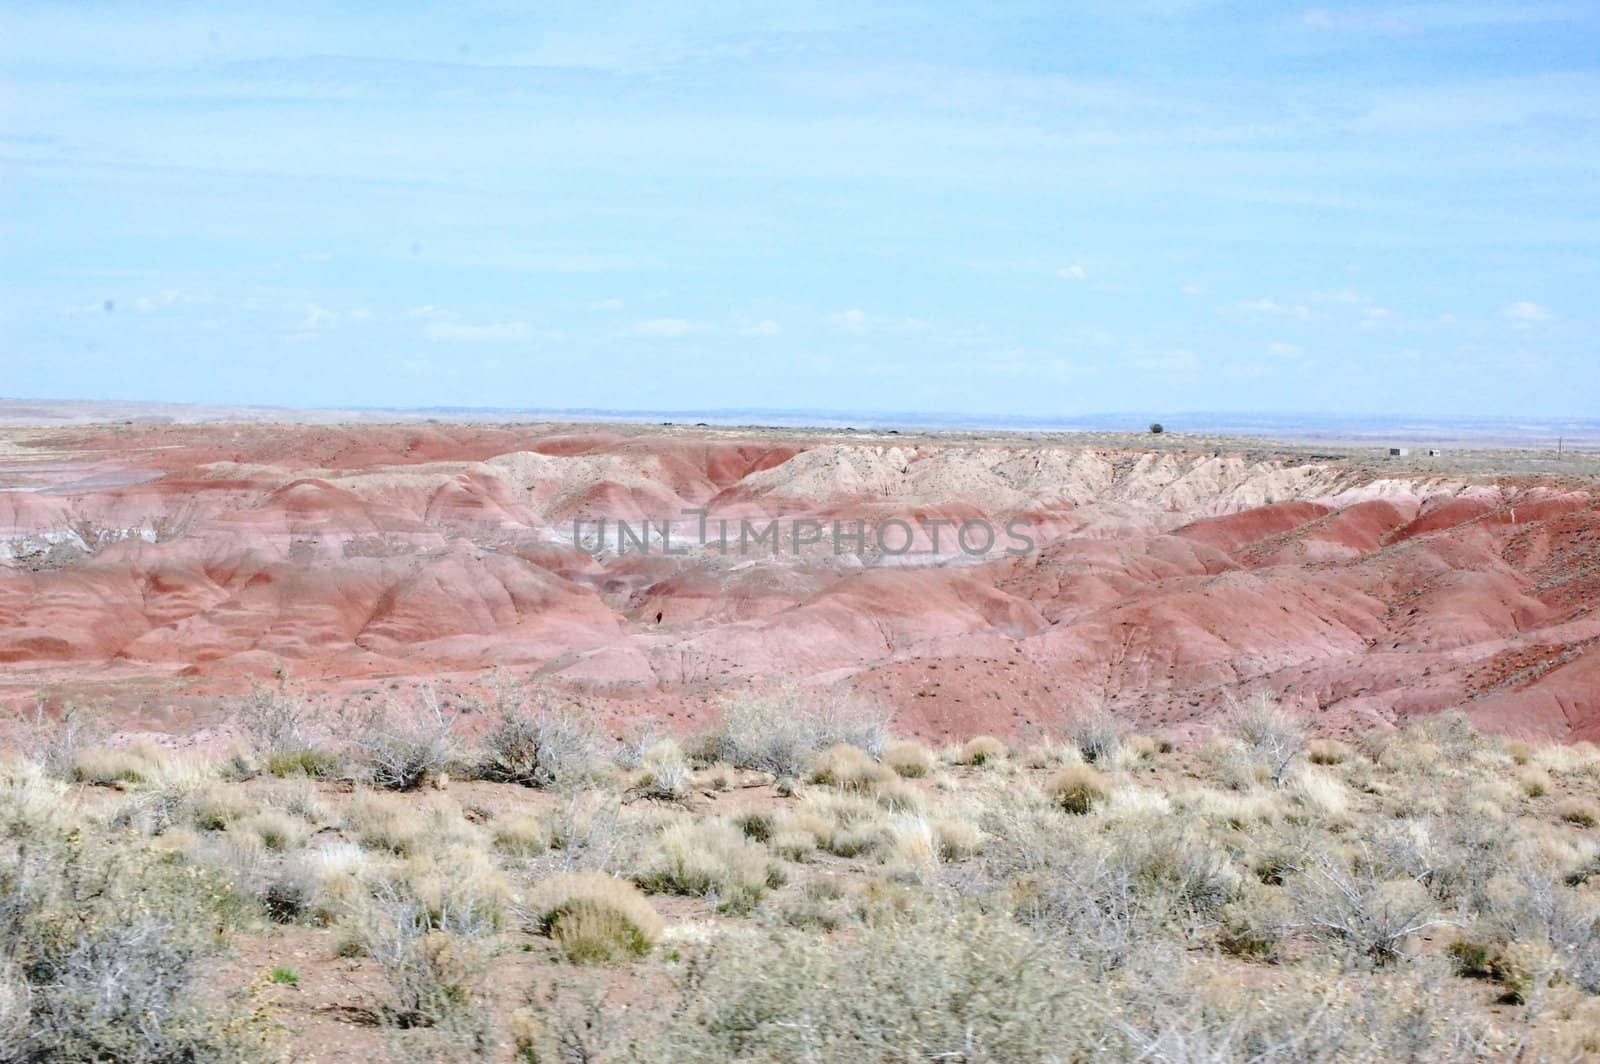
(335, 739)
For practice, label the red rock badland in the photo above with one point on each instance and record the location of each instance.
(160, 566)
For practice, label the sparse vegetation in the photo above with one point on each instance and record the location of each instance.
(781, 729)
(1254, 895)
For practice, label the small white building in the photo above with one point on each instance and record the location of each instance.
(1399, 452)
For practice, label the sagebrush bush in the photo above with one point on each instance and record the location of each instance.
(1097, 734)
(432, 977)
(401, 746)
(1273, 735)
(539, 745)
(108, 946)
(1351, 904)
(595, 917)
(968, 990)
(781, 729)
(277, 721)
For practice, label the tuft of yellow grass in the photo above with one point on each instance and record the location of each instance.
(1578, 811)
(712, 859)
(1327, 752)
(909, 759)
(596, 918)
(1535, 783)
(1078, 788)
(982, 750)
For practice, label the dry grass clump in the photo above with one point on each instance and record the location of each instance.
(982, 750)
(520, 834)
(595, 918)
(1077, 789)
(664, 772)
(1535, 783)
(780, 730)
(844, 825)
(277, 831)
(847, 769)
(112, 766)
(909, 759)
(406, 826)
(1318, 792)
(1327, 752)
(711, 859)
(1585, 814)
(32, 802)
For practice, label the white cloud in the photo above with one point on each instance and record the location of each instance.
(1177, 360)
(606, 304)
(858, 322)
(1284, 349)
(318, 318)
(850, 321)
(662, 328)
(1193, 289)
(1524, 313)
(505, 332)
(764, 327)
(1273, 307)
(429, 313)
(1073, 273)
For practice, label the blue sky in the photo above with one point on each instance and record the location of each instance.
(1028, 209)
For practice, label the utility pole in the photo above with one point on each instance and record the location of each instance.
(1560, 440)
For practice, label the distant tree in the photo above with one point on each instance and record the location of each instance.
(1156, 428)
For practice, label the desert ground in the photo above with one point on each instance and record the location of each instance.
(334, 740)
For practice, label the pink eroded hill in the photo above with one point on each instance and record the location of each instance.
(1161, 583)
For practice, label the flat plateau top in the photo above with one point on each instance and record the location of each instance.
(35, 432)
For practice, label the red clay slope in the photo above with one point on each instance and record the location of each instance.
(1160, 583)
